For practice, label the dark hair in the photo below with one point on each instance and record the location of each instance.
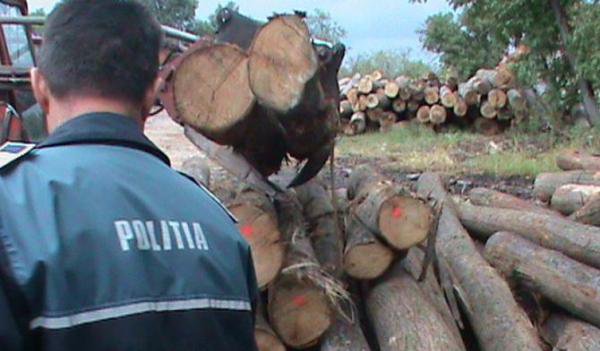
(108, 48)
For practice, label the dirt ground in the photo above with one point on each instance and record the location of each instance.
(170, 138)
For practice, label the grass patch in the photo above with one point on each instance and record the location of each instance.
(416, 148)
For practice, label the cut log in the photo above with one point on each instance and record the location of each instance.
(482, 86)
(282, 62)
(578, 160)
(432, 95)
(374, 115)
(344, 336)
(487, 126)
(298, 307)
(404, 94)
(376, 75)
(399, 105)
(571, 197)
(488, 75)
(322, 224)
(363, 102)
(468, 93)
(589, 213)
(266, 339)
(497, 320)
(452, 82)
(404, 319)
(460, 107)
(365, 257)
(487, 110)
(564, 281)
(346, 109)
(413, 264)
(212, 94)
(403, 82)
(447, 97)
(437, 115)
(423, 114)
(399, 218)
(384, 102)
(497, 98)
(372, 101)
(352, 96)
(358, 123)
(563, 332)
(413, 106)
(516, 100)
(491, 198)
(257, 221)
(505, 79)
(392, 89)
(547, 183)
(365, 86)
(387, 121)
(578, 241)
(197, 168)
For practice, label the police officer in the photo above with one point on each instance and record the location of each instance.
(102, 245)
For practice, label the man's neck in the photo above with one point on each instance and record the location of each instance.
(71, 107)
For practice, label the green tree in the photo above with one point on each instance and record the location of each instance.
(41, 13)
(179, 14)
(392, 62)
(324, 27)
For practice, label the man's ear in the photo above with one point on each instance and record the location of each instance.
(39, 85)
(151, 96)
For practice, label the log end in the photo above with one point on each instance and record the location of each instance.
(368, 261)
(404, 221)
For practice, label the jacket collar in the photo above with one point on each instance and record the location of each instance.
(103, 128)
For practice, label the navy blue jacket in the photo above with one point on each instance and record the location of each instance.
(104, 247)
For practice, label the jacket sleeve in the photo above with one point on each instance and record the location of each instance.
(10, 335)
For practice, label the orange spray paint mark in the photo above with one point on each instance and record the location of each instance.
(299, 301)
(247, 231)
(398, 212)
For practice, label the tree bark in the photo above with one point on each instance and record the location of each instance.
(266, 339)
(322, 224)
(404, 319)
(578, 160)
(491, 198)
(345, 109)
(197, 168)
(547, 183)
(589, 213)
(571, 197)
(468, 92)
(400, 219)
(563, 332)
(259, 225)
(564, 281)
(585, 88)
(345, 336)
(365, 257)
(577, 241)
(498, 321)
(298, 308)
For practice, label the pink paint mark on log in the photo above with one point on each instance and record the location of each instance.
(247, 231)
(300, 301)
(398, 212)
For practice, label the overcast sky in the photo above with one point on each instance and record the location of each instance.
(371, 24)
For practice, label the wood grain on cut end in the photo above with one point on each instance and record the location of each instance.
(212, 93)
(299, 314)
(282, 61)
(404, 221)
(368, 260)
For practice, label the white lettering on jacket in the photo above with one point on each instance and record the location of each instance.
(160, 235)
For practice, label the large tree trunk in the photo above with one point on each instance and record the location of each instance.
(578, 241)
(576, 159)
(563, 332)
(498, 321)
(400, 219)
(298, 307)
(547, 183)
(404, 319)
(491, 198)
(365, 257)
(564, 281)
(323, 228)
(585, 88)
(259, 226)
(571, 197)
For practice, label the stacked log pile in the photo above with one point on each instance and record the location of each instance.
(346, 272)
(489, 102)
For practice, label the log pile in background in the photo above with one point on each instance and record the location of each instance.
(489, 102)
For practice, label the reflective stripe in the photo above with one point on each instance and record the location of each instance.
(137, 308)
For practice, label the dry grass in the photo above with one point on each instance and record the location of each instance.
(416, 148)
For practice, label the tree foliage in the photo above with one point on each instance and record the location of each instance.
(179, 14)
(323, 26)
(392, 62)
